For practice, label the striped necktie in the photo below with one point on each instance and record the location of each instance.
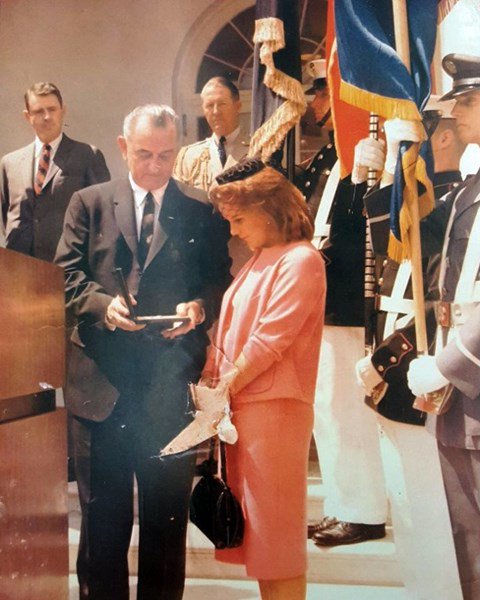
(146, 229)
(221, 150)
(43, 165)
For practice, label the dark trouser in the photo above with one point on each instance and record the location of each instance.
(461, 477)
(107, 456)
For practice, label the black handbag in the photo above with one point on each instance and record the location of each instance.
(213, 507)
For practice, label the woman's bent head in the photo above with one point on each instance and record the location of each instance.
(264, 209)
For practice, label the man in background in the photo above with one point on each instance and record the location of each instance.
(198, 164)
(37, 181)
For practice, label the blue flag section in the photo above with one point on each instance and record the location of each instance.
(373, 77)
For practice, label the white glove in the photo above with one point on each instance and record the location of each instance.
(367, 376)
(400, 130)
(424, 376)
(227, 431)
(369, 154)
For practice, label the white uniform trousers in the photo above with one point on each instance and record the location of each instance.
(346, 433)
(421, 523)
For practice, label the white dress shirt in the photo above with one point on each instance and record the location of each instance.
(139, 201)
(229, 140)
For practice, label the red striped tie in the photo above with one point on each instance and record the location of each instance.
(42, 170)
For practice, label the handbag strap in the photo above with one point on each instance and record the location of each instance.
(222, 461)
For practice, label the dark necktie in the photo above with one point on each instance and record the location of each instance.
(221, 150)
(42, 170)
(146, 230)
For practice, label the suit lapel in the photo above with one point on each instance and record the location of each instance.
(469, 197)
(26, 166)
(125, 214)
(167, 219)
(239, 149)
(60, 158)
(215, 165)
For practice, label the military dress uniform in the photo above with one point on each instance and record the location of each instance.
(454, 228)
(345, 433)
(198, 164)
(423, 536)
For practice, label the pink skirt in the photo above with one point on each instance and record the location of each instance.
(267, 471)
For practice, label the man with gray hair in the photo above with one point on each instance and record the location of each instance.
(127, 381)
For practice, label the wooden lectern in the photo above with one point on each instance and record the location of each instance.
(33, 439)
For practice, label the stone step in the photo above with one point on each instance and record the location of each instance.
(370, 563)
(219, 589)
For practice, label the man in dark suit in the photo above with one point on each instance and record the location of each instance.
(37, 182)
(127, 383)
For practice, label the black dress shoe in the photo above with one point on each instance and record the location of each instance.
(325, 523)
(343, 533)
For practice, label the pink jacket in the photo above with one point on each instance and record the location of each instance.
(273, 312)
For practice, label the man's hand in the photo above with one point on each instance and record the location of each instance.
(424, 376)
(117, 315)
(194, 310)
(369, 154)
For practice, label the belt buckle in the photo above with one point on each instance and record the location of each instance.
(444, 314)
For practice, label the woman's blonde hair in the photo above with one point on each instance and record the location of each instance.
(273, 193)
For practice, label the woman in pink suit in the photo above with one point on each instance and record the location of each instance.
(269, 335)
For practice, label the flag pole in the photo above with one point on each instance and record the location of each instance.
(400, 20)
(427, 402)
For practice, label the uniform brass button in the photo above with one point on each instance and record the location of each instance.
(321, 156)
(307, 184)
(327, 171)
(385, 262)
(381, 368)
(380, 281)
(393, 359)
(404, 346)
(329, 146)
(312, 170)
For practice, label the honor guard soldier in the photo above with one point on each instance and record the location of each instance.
(454, 230)
(422, 531)
(345, 434)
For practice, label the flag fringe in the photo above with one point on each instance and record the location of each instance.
(268, 138)
(414, 171)
(389, 108)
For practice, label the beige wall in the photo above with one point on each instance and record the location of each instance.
(106, 56)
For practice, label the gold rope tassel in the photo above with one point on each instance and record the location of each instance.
(269, 137)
